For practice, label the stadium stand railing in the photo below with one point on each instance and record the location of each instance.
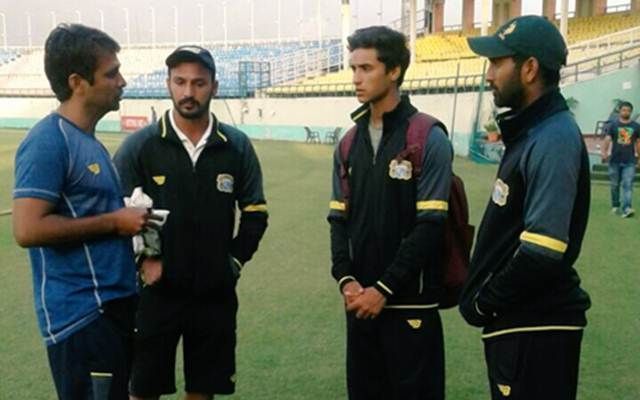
(611, 61)
(439, 55)
(603, 44)
(306, 63)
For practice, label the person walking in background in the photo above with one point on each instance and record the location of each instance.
(623, 132)
(68, 210)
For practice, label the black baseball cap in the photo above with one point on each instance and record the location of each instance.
(191, 53)
(529, 36)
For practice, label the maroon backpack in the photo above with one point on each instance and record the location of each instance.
(458, 234)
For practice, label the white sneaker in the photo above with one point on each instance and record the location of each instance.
(614, 210)
(628, 213)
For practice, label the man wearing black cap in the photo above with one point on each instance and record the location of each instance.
(522, 287)
(200, 170)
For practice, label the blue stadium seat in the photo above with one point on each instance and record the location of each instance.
(153, 84)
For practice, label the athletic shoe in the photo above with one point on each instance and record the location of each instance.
(628, 213)
(614, 210)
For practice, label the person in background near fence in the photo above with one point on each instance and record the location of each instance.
(68, 210)
(199, 169)
(623, 132)
(522, 287)
(386, 235)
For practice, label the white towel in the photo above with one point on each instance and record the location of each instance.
(148, 241)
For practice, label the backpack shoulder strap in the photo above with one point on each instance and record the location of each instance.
(420, 125)
(346, 143)
(344, 149)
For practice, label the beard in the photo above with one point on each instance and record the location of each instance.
(116, 105)
(511, 94)
(197, 110)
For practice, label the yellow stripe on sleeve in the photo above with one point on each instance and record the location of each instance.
(255, 208)
(101, 374)
(337, 205)
(544, 241)
(430, 205)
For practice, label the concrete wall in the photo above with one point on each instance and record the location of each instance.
(266, 118)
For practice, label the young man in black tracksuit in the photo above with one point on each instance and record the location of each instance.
(385, 239)
(522, 288)
(199, 169)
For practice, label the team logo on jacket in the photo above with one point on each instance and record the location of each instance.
(400, 169)
(94, 168)
(225, 183)
(505, 390)
(500, 193)
(159, 179)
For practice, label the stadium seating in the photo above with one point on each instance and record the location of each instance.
(438, 55)
(152, 83)
(453, 44)
(310, 67)
(442, 46)
(585, 28)
(7, 56)
(143, 66)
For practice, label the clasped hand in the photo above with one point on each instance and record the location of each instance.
(364, 302)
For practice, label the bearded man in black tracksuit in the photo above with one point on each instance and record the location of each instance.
(385, 239)
(522, 287)
(199, 169)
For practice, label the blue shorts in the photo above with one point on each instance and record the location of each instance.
(95, 362)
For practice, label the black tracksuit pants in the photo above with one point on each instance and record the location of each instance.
(397, 356)
(534, 365)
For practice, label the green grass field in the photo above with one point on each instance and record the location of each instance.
(291, 335)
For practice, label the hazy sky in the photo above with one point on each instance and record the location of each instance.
(299, 17)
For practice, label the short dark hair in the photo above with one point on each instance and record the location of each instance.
(391, 46)
(550, 77)
(74, 49)
(625, 104)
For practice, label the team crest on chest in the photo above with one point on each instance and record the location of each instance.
(94, 168)
(159, 179)
(500, 193)
(225, 183)
(400, 169)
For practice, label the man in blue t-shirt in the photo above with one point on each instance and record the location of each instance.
(623, 133)
(68, 210)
